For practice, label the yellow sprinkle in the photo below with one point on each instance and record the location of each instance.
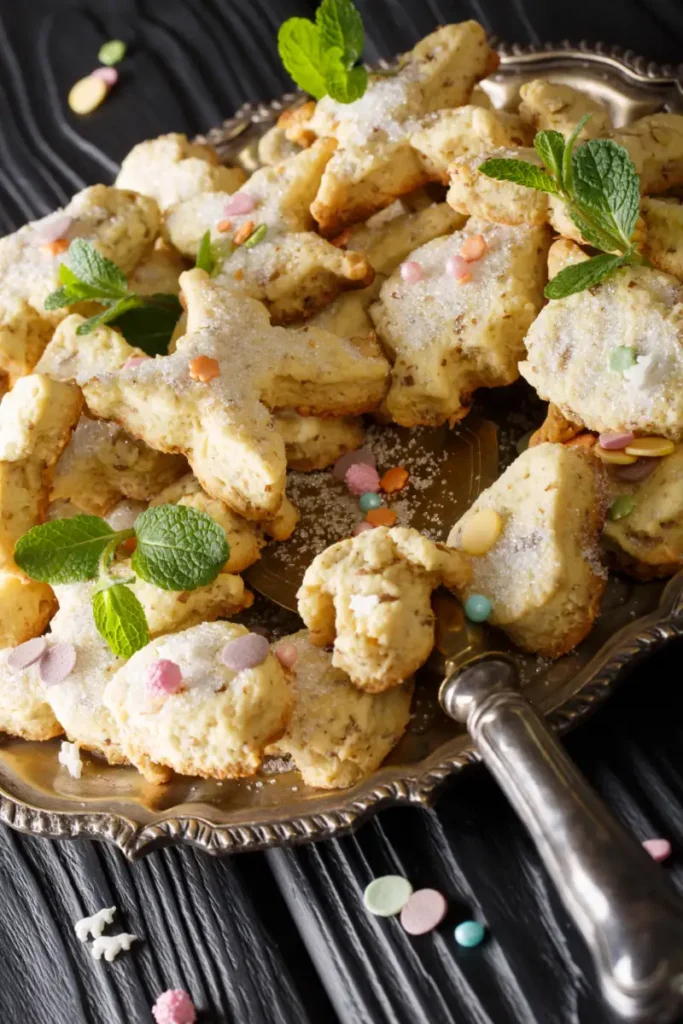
(481, 532)
(616, 457)
(654, 447)
(87, 94)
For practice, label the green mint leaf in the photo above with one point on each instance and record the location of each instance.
(206, 259)
(550, 147)
(150, 327)
(179, 548)
(569, 151)
(61, 297)
(120, 619)
(579, 276)
(340, 26)
(301, 51)
(593, 234)
(112, 52)
(63, 551)
(113, 312)
(520, 173)
(605, 183)
(92, 268)
(342, 85)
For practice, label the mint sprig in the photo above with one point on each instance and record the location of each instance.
(178, 548)
(599, 185)
(146, 321)
(321, 56)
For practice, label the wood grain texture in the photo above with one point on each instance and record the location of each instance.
(282, 938)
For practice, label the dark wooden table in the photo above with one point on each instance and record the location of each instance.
(282, 938)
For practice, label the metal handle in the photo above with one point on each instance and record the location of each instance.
(629, 914)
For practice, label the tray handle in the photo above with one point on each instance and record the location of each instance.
(627, 911)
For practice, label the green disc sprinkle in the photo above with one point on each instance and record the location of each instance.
(622, 358)
(112, 52)
(621, 507)
(387, 895)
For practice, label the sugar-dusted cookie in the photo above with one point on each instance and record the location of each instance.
(337, 734)
(312, 442)
(664, 234)
(450, 337)
(370, 596)
(170, 169)
(502, 202)
(24, 711)
(467, 131)
(542, 574)
(26, 607)
(552, 106)
(158, 273)
(208, 400)
(201, 717)
(122, 226)
(655, 144)
(37, 418)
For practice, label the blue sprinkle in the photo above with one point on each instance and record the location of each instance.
(369, 501)
(469, 933)
(477, 608)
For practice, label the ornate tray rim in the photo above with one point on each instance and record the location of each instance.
(598, 678)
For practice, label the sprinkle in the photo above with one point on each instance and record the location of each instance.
(650, 447)
(622, 358)
(164, 678)
(659, 849)
(411, 272)
(56, 664)
(240, 203)
(381, 517)
(614, 458)
(343, 239)
(360, 478)
(363, 604)
(174, 1007)
(394, 479)
(458, 268)
(109, 76)
(477, 608)
(70, 757)
(93, 926)
(387, 895)
(256, 237)
(134, 361)
(621, 507)
(469, 933)
(27, 653)
(581, 441)
(473, 249)
(87, 94)
(109, 946)
(369, 500)
(130, 545)
(286, 654)
(246, 651)
(243, 232)
(640, 470)
(56, 228)
(616, 439)
(361, 528)
(481, 532)
(59, 245)
(360, 456)
(223, 226)
(204, 369)
(425, 909)
(112, 52)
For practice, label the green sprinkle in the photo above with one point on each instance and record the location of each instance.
(621, 507)
(387, 895)
(256, 236)
(469, 934)
(112, 52)
(623, 357)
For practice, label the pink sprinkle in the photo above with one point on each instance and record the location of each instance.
(615, 439)
(362, 456)
(411, 272)
(56, 664)
(164, 678)
(245, 652)
(362, 527)
(659, 849)
(109, 76)
(241, 202)
(458, 268)
(360, 479)
(134, 361)
(174, 1007)
(56, 228)
(425, 909)
(286, 654)
(637, 471)
(27, 654)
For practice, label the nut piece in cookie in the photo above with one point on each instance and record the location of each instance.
(551, 106)
(542, 575)
(312, 442)
(370, 596)
(450, 337)
(171, 169)
(223, 425)
(36, 420)
(337, 734)
(220, 720)
(121, 225)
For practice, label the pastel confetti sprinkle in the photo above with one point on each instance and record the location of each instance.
(621, 507)
(381, 517)
(638, 471)
(134, 361)
(469, 933)
(109, 76)
(361, 478)
(425, 909)
(458, 268)
(387, 895)
(245, 652)
(112, 51)
(164, 678)
(286, 654)
(659, 849)
(650, 447)
(204, 369)
(56, 664)
(174, 1007)
(240, 203)
(473, 249)
(361, 528)
(369, 500)
(616, 439)
(411, 272)
(623, 357)
(27, 653)
(477, 608)
(87, 94)
(394, 479)
(361, 456)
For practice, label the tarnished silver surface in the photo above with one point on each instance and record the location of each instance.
(116, 804)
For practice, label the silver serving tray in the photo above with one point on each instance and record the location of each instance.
(275, 808)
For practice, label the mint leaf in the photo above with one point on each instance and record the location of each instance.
(520, 173)
(120, 619)
(605, 183)
(113, 312)
(205, 255)
(579, 276)
(593, 234)
(179, 548)
(112, 52)
(150, 327)
(342, 85)
(550, 147)
(301, 51)
(63, 551)
(91, 268)
(569, 151)
(61, 297)
(341, 27)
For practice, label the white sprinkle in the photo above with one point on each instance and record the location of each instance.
(362, 604)
(70, 756)
(109, 946)
(94, 925)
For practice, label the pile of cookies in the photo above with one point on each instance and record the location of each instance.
(367, 267)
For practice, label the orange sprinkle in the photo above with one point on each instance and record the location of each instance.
(474, 248)
(464, 279)
(130, 545)
(223, 226)
(204, 369)
(341, 240)
(582, 441)
(243, 232)
(381, 517)
(239, 275)
(394, 479)
(54, 248)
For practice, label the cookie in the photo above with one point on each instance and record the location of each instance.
(26, 607)
(158, 273)
(552, 106)
(655, 144)
(501, 202)
(467, 131)
(312, 442)
(664, 237)
(24, 711)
